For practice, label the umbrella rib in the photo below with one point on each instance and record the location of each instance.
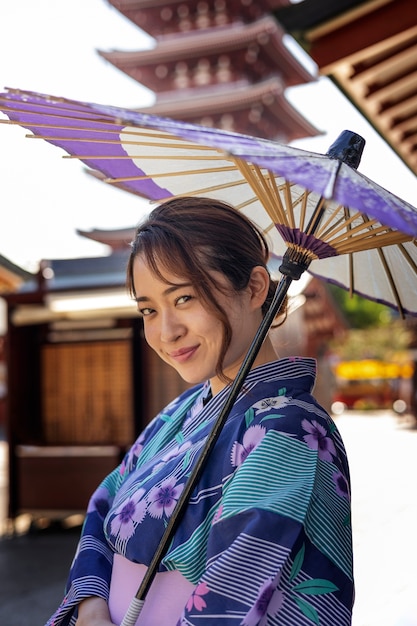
(331, 223)
(360, 231)
(371, 242)
(316, 213)
(279, 209)
(288, 203)
(351, 275)
(112, 142)
(391, 282)
(303, 212)
(248, 174)
(124, 179)
(148, 157)
(266, 190)
(407, 255)
(110, 131)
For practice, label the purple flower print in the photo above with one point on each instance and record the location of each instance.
(342, 487)
(269, 601)
(127, 514)
(99, 500)
(162, 499)
(318, 440)
(251, 439)
(196, 601)
(171, 455)
(130, 461)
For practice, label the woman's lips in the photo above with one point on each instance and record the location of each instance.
(183, 354)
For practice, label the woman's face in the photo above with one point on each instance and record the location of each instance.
(184, 333)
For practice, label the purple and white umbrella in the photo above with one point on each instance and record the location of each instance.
(362, 241)
(318, 212)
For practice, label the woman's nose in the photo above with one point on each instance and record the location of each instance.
(171, 329)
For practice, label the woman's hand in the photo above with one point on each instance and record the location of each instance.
(94, 612)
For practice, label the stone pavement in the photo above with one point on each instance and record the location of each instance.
(383, 459)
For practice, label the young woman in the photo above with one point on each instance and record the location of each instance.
(266, 536)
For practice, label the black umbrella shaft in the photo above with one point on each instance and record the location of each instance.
(235, 389)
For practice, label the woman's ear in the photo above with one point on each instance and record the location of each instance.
(259, 286)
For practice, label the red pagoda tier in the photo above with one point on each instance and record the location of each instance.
(219, 56)
(159, 18)
(231, 77)
(260, 110)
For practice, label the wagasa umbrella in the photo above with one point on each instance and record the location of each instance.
(320, 214)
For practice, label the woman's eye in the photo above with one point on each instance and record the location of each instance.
(183, 299)
(145, 311)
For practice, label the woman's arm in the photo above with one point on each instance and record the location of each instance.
(94, 612)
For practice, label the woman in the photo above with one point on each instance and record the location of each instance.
(266, 536)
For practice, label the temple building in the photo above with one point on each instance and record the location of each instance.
(223, 65)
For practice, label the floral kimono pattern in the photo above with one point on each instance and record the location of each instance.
(266, 537)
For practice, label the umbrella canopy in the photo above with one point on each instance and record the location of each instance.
(316, 210)
(346, 228)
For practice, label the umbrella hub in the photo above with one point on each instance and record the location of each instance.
(295, 262)
(347, 148)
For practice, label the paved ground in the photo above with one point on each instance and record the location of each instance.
(383, 460)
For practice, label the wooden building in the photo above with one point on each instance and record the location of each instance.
(369, 49)
(82, 382)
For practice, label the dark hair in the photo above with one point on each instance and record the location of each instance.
(190, 236)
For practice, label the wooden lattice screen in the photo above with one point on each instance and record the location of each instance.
(87, 394)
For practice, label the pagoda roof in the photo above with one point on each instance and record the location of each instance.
(117, 239)
(240, 51)
(12, 276)
(260, 109)
(159, 18)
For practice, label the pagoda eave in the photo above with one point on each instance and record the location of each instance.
(250, 51)
(159, 18)
(261, 109)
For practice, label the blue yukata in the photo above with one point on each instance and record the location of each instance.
(266, 538)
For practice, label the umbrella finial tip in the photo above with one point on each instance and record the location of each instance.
(348, 148)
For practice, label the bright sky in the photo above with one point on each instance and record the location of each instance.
(50, 46)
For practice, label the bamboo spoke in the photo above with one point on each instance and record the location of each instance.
(303, 213)
(371, 242)
(111, 142)
(278, 210)
(213, 170)
(360, 231)
(332, 221)
(316, 212)
(195, 192)
(288, 203)
(408, 257)
(391, 281)
(247, 172)
(147, 157)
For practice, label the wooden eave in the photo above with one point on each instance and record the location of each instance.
(263, 37)
(266, 96)
(370, 51)
(11, 276)
(159, 18)
(117, 239)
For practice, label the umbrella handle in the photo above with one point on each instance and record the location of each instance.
(138, 601)
(133, 612)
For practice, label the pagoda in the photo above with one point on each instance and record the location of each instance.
(216, 63)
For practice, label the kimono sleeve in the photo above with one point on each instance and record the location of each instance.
(90, 572)
(279, 550)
